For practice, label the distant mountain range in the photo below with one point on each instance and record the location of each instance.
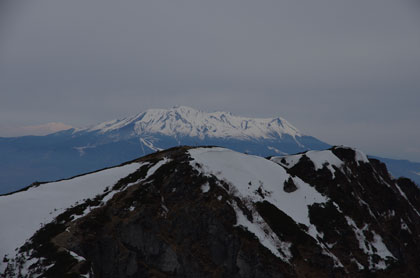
(27, 159)
(214, 212)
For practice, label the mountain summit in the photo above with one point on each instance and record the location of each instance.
(183, 121)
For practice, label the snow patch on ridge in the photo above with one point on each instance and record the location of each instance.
(287, 161)
(319, 159)
(361, 157)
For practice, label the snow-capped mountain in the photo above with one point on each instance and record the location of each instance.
(200, 212)
(24, 160)
(158, 129)
(184, 121)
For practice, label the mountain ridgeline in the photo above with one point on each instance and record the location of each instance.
(214, 212)
(27, 159)
(24, 160)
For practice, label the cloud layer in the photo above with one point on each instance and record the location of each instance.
(42, 129)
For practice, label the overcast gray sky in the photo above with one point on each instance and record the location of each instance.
(347, 72)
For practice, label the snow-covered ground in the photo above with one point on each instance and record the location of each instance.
(23, 213)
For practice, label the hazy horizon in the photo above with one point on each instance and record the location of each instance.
(344, 72)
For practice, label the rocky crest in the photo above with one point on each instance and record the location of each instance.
(213, 212)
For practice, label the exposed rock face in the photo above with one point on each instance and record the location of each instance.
(212, 212)
(289, 186)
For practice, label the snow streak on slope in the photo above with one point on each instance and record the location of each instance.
(186, 121)
(371, 248)
(23, 213)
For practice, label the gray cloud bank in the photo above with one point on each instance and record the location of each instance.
(38, 130)
(346, 72)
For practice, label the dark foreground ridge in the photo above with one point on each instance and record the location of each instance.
(212, 212)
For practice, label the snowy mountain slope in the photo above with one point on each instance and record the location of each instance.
(23, 213)
(192, 212)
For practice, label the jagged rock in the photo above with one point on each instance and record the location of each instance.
(289, 186)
